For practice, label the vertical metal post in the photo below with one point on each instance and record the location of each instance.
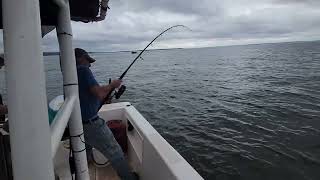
(70, 81)
(27, 101)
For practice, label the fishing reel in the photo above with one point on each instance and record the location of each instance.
(117, 93)
(120, 91)
(114, 93)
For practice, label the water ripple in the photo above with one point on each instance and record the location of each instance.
(241, 112)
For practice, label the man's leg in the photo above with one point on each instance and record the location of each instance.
(99, 136)
(89, 152)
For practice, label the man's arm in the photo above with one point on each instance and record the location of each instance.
(102, 91)
(97, 90)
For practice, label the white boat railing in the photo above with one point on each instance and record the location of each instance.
(60, 122)
(170, 164)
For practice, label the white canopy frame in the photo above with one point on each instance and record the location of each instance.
(32, 147)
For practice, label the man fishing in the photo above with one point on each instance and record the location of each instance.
(96, 132)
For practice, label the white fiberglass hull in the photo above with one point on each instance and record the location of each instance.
(149, 154)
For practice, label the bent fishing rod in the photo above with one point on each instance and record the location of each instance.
(123, 87)
(139, 55)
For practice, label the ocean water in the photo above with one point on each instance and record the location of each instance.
(240, 112)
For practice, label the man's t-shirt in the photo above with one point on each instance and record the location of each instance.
(89, 103)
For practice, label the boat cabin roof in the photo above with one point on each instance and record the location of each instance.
(80, 10)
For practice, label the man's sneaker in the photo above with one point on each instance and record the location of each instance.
(135, 176)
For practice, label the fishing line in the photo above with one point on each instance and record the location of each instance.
(122, 88)
(125, 72)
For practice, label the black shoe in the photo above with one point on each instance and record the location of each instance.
(135, 176)
(56, 177)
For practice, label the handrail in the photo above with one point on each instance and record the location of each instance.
(60, 123)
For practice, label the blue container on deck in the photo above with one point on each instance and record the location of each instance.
(54, 107)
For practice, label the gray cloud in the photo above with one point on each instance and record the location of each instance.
(308, 2)
(132, 24)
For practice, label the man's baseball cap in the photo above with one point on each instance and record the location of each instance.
(82, 53)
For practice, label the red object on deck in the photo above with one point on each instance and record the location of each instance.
(119, 130)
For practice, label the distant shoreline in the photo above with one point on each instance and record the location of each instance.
(166, 49)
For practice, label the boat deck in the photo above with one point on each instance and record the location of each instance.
(62, 169)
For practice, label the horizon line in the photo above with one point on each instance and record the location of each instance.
(135, 50)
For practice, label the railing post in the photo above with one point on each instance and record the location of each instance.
(27, 101)
(70, 82)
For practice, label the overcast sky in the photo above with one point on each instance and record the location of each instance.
(131, 24)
